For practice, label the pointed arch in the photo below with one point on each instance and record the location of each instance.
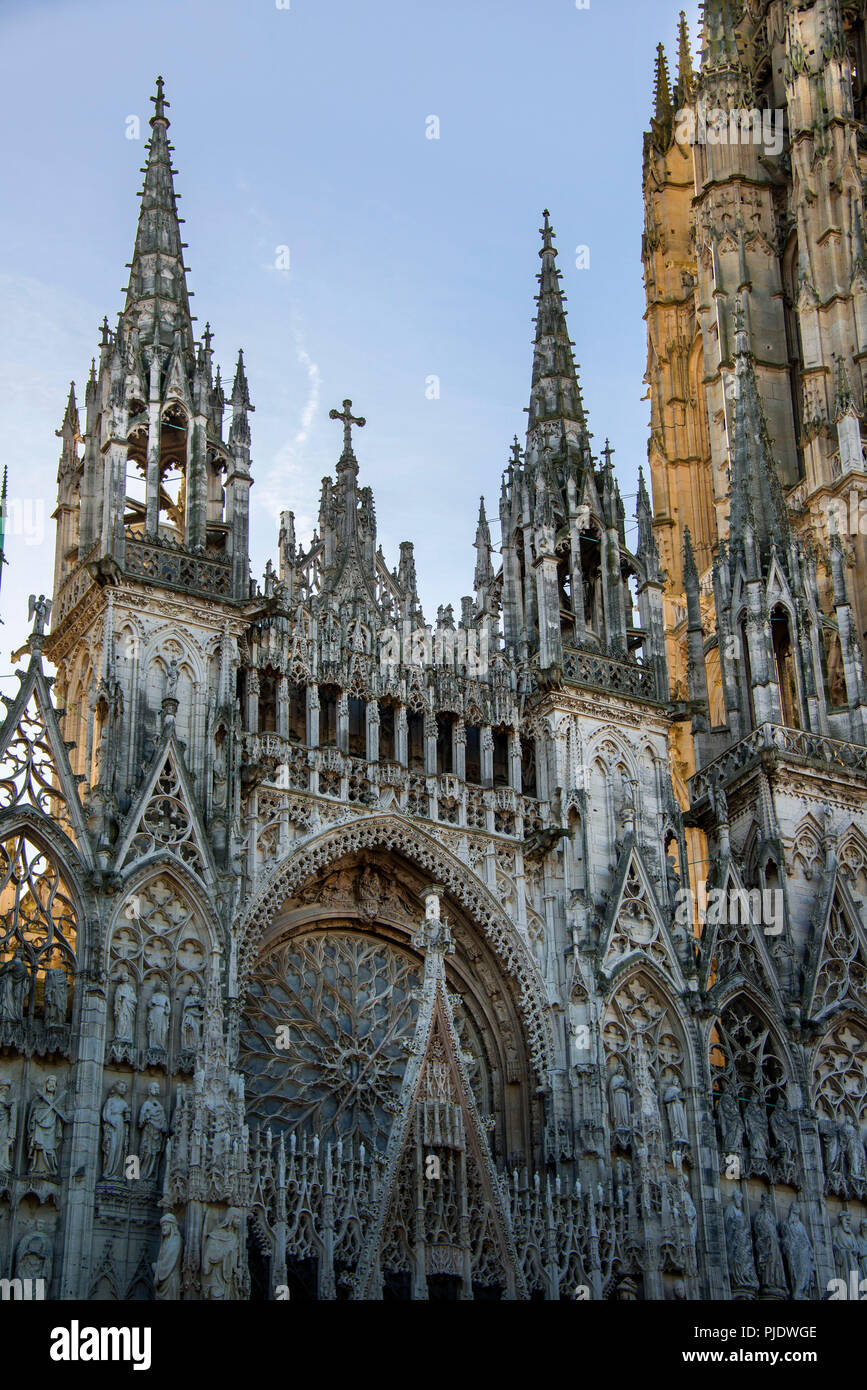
(425, 853)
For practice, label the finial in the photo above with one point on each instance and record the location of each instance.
(546, 231)
(160, 105)
(606, 454)
(349, 420)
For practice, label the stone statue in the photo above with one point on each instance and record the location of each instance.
(830, 1136)
(675, 1109)
(783, 1133)
(799, 1252)
(618, 1098)
(191, 1021)
(853, 1150)
(45, 1128)
(730, 1123)
(862, 1247)
(8, 1125)
(34, 1256)
(115, 1130)
(847, 1256)
(159, 1014)
(739, 1247)
(171, 692)
(221, 1258)
(769, 1257)
(14, 979)
(756, 1124)
(124, 1008)
(153, 1127)
(690, 1219)
(648, 1104)
(56, 992)
(167, 1270)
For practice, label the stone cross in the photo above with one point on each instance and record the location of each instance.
(348, 421)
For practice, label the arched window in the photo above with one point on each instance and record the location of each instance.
(38, 929)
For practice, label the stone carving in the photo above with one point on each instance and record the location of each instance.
(55, 998)
(676, 1111)
(222, 1271)
(756, 1125)
(167, 1270)
(45, 1128)
(115, 1130)
(124, 1007)
(730, 1123)
(8, 1125)
(847, 1253)
(34, 1256)
(153, 1127)
(799, 1253)
(191, 1021)
(853, 1150)
(769, 1257)
(158, 1016)
(739, 1246)
(14, 984)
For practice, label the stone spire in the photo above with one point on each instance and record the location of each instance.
(685, 71)
(648, 551)
(157, 299)
(661, 122)
(239, 430)
(483, 548)
(556, 410)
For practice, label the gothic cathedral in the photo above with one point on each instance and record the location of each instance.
(518, 954)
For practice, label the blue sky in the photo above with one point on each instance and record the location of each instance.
(408, 257)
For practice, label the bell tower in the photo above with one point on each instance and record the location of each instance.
(152, 560)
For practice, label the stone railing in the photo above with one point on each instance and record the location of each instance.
(72, 591)
(281, 763)
(608, 673)
(168, 564)
(797, 744)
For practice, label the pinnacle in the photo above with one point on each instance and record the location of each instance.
(157, 296)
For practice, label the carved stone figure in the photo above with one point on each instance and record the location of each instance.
(153, 1127)
(167, 1270)
(56, 993)
(191, 1021)
(785, 1140)
(739, 1247)
(34, 1256)
(44, 1128)
(756, 1125)
(689, 1216)
(830, 1136)
(159, 1014)
(676, 1110)
(853, 1150)
(618, 1096)
(14, 980)
(769, 1257)
(847, 1256)
(124, 1008)
(221, 1258)
(8, 1125)
(730, 1123)
(799, 1253)
(115, 1130)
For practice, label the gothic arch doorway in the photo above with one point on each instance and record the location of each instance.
(332, 1002)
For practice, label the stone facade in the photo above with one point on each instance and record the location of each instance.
(350, 955)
